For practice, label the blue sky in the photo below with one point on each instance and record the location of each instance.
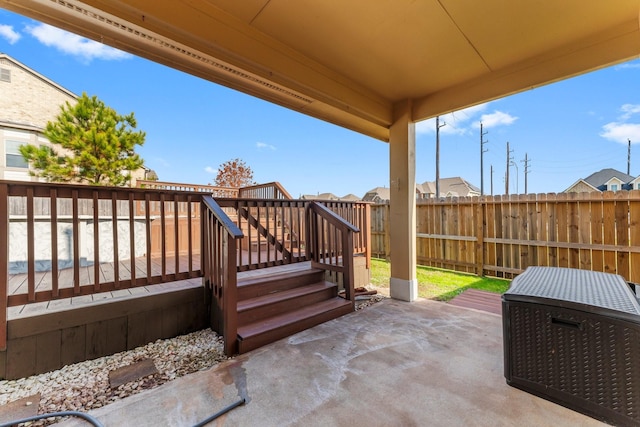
(568, 129)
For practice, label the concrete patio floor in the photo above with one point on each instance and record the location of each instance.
(425, 363)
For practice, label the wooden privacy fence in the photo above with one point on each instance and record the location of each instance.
(503, 235)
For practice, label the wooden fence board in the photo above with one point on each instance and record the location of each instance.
(562, 231)
(609, 231)
(573, 232)
(584, 233)
(634, 235)
(503, 235)
(622, 232)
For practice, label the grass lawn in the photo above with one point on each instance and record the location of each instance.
(438, 284)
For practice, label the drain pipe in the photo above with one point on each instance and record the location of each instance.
(82, 415)
(219, 413)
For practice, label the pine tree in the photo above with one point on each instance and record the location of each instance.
(93, 145)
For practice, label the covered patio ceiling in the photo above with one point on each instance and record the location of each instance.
(350, 62)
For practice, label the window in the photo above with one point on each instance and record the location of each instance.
(14, 158)
(5, 75)
(613, 187)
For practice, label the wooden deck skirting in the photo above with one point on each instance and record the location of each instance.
(49, 335)
(479, 300)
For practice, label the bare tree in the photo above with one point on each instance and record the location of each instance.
(234, 173)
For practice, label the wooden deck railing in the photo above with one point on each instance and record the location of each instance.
(358, 214)
(271, 190)
(330, 242)
(59, 240)
(175, 186)
(274, 231)
(220, 236)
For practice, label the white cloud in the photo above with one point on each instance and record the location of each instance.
(626, 65)
(628, 110)
(209, 169)
(74, 45)
(7, 32)
(497, 118)
(262, 145)
(456, 122)
(621, 131)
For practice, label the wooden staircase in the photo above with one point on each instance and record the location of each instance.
(282, 304)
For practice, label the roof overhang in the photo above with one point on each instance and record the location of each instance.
(350, 63)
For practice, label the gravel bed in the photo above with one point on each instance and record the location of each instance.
(84, 386)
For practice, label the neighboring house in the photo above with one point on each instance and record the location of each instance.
(29, 100)
(320, 196)
(605, 180)
(350, 198)
(450, 187)
(377, 195)
(331, 196)
(426, 190)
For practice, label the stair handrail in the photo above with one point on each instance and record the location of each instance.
(219, 251)
(324, 254)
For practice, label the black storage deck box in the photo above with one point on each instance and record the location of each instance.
(573, 337)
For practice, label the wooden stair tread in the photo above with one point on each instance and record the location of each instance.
(253, 280)
(293, 317)
(288, 294)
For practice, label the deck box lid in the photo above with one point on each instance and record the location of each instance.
(572, 288)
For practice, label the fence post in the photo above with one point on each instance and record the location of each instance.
(480, 231)
(4, 262)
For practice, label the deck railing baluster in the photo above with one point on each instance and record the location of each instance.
(31, 262)
(53, 209)
(96, 242)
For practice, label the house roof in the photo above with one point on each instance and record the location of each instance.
(600, 178)
(453, 186)
(381, 193)
(6, 58)
(320, 196)
(352, 63)
(350, 198)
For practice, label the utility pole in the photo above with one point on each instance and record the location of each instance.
(629, 157)
(438, 126)
(506, 174)
(526, 170)
(482, 151)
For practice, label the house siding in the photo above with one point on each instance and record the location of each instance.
(27, 103)
(28, 99)
(580, 187)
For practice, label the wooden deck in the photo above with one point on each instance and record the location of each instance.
(479, 300)
(18, 284)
